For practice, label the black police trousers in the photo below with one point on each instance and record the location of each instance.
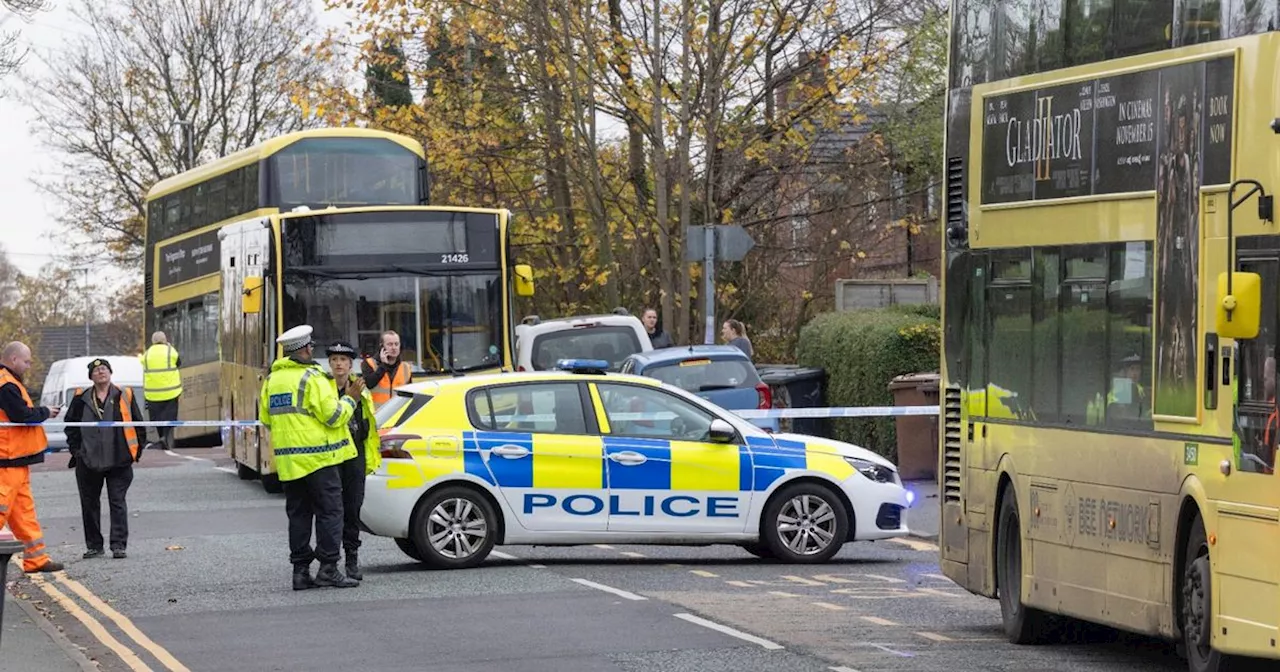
(352, 500)
(89, 483)
(314, 499)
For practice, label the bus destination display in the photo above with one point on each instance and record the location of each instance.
(187, 259)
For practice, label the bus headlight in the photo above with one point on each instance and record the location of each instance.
(873, 471)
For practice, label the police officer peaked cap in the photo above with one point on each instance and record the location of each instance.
(341, 348)
(99, 362)
(296, 338)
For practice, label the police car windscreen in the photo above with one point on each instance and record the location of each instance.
(612, 344)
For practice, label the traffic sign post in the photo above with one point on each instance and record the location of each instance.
(708, 244)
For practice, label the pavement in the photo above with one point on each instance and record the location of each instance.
(31, 641)
(206, 587)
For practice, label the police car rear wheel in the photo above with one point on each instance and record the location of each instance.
(805, 523)
(455, 528)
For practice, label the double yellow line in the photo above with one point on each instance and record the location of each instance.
(95, 627)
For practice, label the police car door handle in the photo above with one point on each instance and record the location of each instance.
(628, 457)
(511, 452)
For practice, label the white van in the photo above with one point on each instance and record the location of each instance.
(65, 375)
(613, 338)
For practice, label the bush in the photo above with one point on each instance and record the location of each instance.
(861, 352)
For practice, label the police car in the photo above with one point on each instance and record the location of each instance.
(582, 456)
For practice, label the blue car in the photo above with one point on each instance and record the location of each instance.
(721, 374)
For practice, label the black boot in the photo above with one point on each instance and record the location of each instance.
(302, 577)
(353, 566)
(330, 576)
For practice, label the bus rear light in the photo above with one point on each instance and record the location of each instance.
(764, 396)
(392, 447)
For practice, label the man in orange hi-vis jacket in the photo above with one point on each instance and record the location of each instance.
(21, 447)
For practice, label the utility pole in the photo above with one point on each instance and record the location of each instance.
(709, 283)
(187, 141)
(84, 292)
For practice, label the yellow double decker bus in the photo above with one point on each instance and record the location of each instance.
(1108, 427)
(330, 228)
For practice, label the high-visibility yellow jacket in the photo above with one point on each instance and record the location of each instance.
(307, 419)
(372, 457)
(161, 380)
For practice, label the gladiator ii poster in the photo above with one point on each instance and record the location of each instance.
(1177, 238)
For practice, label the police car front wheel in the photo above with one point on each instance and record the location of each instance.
(805, 523)
(454, 528)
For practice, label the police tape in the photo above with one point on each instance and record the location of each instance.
(505, 419)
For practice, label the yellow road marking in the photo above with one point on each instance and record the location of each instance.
(935, 637)
(915, 544)
(95, 628)
(703, 572)
(878, 621)
(828, 605)
(161, 654)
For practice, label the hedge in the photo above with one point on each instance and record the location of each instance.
(862, 351)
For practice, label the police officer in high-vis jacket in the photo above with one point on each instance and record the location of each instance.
(309, 439)
(364, 434)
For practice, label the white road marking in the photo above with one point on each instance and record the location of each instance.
(779, 593)
(828, 605)
(843, 669)
(886, 649)
(703, 572)
(229, 470)
(504, 556)
(740, 584)
(538, 566)
(729, 631)
(876, 620)
(633, 554)
(610, 589)
(606, 547)
(170, 453)
(888, 579)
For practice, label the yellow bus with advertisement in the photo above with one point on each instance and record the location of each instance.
(1100, 188)
(328, 227)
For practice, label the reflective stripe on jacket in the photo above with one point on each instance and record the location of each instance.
(19, 442)
(402, 375)
(307, 419)
(161, 380)
(372, 442)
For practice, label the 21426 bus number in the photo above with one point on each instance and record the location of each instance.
(454, 258)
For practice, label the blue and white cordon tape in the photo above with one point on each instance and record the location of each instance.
(839, 412)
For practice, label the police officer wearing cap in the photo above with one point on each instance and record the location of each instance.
(310, 441)
(364, 434)
(104, 455)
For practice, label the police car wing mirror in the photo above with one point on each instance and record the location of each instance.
(721, 431)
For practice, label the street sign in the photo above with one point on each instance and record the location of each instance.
(732, 243)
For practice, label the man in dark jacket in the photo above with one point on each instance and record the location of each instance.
(104, 454)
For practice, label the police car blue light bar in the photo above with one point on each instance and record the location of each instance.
(583, 365)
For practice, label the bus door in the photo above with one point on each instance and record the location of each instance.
(1248, 501)
(245, 247)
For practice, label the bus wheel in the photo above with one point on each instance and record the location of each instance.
(1196, 618)
(271, 483)
(245, 472)
(1022, 624)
